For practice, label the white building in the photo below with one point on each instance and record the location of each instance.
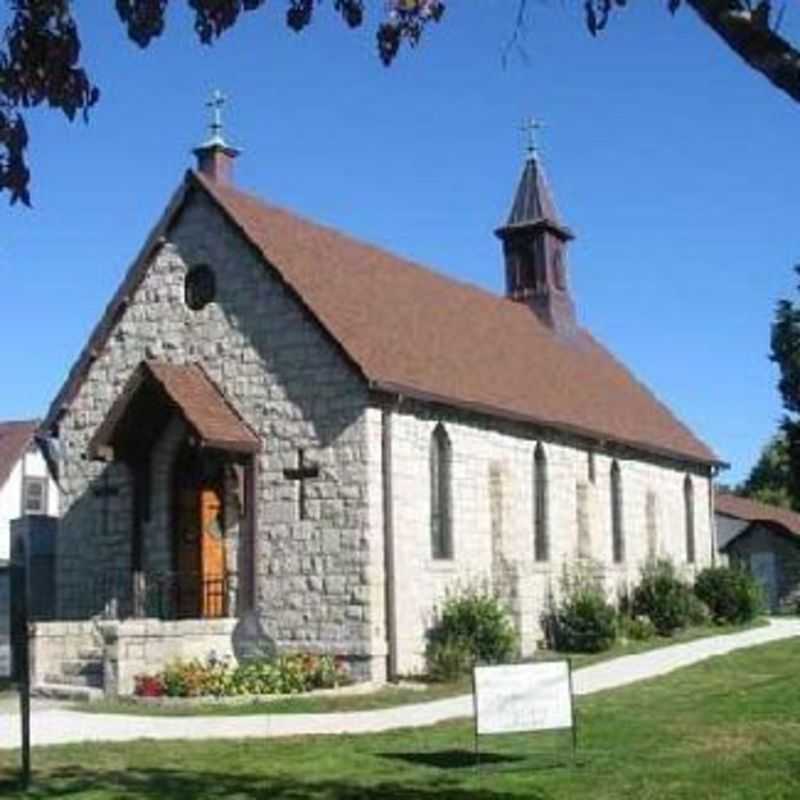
(26, 486)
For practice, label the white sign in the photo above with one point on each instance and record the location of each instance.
(523, 697)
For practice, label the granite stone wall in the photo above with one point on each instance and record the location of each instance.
(291, 385)
(492, 509)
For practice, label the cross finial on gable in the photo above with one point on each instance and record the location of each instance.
(529, 127)
(215, 156)
(216, 103)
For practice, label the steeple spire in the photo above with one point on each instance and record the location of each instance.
(215, 156)
(534, 245)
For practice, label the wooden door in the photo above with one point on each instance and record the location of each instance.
(199, 583)
(212, 554)
(187, 568)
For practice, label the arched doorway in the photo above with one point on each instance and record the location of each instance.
(198, 491)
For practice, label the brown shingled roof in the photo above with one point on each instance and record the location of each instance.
(752, 511)
(193, 394)
(410, 330)
(14, 439)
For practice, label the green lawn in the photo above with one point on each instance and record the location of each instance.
(390, 696)
(727, 728)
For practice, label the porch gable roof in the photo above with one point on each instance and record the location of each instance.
(192, 394)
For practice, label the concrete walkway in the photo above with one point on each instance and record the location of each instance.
(60, 726)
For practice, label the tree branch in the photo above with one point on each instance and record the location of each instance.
(748, 34)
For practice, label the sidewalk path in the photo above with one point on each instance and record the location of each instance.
(60, 726)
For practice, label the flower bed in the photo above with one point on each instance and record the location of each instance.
(288, 674)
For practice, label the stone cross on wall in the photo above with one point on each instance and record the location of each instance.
(302, 473)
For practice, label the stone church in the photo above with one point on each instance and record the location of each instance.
(273, 417)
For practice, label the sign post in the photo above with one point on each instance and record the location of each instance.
(524, 698)
(20, 595)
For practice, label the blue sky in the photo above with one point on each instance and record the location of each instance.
(675, 165)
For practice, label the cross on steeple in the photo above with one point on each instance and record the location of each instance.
(529, 127)
(215, 156)
(216, 103)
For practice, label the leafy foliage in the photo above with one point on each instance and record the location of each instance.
(583, 621)
(770, 480)
(663, 597)
(472, 626)
(449, 659)
(287, 674)
(40, 53)
(731, 593)
(638, 629)
(785, 343)
(41, 48)
(699, 613)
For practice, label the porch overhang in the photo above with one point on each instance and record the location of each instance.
(153, 394)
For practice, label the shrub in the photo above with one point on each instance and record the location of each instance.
(699, 612)
(731, 593)
(472, 626)
(639, 629)
(583, 621)
(662, 596)
(449, 660)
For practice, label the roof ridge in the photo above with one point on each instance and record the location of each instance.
(330, 229)
(396, 321)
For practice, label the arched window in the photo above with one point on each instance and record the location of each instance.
(582, 514)
(651, 522)
(688, 510)
(441, 517)
(541, 544)
(617, 534)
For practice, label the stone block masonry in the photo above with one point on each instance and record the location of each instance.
(493, 517)
(135, 647)
(291, 385)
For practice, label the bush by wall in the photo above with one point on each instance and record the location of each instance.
(582, 621)
(663, 597)
(731, 593)
(638, 629)
(471, 627)
(287, 674)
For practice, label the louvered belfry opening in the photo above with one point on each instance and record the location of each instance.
(534, 246)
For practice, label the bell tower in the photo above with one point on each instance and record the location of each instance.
(534, 246)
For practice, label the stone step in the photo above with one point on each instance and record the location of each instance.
(63, 691)
(81, 681)
(81, 667)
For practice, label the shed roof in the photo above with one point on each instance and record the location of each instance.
(748, 510)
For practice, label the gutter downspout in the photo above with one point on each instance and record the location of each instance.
(712, 516)
(390, 585)
(251, 480)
